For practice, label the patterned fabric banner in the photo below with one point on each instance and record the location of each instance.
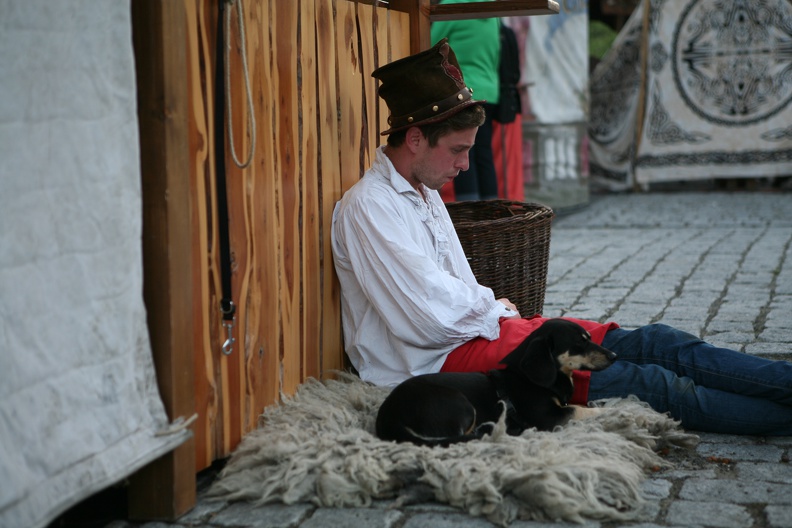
(695, 89)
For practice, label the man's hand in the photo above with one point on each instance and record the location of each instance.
(511, 307)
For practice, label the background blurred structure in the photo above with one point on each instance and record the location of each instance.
(694, 90)
(555, 77)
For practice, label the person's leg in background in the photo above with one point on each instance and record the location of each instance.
(507, 153)
(479, 182)
(466, 186)
(487, 176)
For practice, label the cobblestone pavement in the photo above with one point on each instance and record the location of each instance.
(718, 265)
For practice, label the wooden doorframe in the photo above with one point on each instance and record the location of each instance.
(166, 488)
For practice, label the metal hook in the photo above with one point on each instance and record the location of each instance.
(228, 346)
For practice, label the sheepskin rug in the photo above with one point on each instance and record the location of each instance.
(319, 447)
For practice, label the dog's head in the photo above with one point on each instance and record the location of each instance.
(557, 346)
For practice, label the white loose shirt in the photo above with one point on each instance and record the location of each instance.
(408, 295)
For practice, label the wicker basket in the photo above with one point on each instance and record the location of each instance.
(508, 246)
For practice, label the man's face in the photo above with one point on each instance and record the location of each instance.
(438, 165)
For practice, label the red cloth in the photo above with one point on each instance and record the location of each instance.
(507, 149)
(482, 355)
(447, 192)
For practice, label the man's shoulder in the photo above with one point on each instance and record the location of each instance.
(372, 187)
(374, 203)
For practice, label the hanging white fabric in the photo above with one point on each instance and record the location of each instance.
(79, 405)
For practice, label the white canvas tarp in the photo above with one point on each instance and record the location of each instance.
(79, 407)
(556, 65)
(555, 69)
(695, 89)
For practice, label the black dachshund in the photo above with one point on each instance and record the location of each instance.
(533, 388)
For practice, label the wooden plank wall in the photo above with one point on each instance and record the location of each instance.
(317, 122)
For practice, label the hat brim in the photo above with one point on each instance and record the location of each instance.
(435, 118)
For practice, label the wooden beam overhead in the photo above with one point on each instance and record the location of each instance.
(422, 13)
(499, 8)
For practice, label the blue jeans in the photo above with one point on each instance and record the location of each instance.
(706, 388)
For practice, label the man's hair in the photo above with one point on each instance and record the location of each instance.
(470, 117)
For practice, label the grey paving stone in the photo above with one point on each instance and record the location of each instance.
(635, 315)
(718, 326)
(779, 516)
(715, 438)
(646, 525)
(742, 452)
(742, 338)
(446, 520)
(735, 491)
(432, 507)
(721, 515)
(537, 524)
(649, 511)
(270, 516)
(353, 518)
(777, 334)
(785, 441)
(202, 511)
(656, 489)
(783, 350)
(682, 473)
(767, 472)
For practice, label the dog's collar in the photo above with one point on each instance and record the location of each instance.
(513, 418)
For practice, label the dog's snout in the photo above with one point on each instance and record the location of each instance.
(601, 358)
(608, 355)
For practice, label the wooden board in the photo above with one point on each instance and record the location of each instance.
(329, 179)
(501, 8)
(311, 254)
(263, 330)
(166, 487)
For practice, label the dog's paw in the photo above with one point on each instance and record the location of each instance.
(583, 413)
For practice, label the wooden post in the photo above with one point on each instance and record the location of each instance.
(165, 489)
(420, 38)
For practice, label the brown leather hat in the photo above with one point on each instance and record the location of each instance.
(423, 88)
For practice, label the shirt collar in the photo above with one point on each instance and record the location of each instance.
(397, 181)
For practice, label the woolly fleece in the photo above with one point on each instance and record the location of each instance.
(319, 447)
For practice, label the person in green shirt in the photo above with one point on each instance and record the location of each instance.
(477, 46)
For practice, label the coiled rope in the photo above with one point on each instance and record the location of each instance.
(243, 51)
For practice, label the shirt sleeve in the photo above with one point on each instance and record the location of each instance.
(421, 303)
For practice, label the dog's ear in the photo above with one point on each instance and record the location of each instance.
(538, 364)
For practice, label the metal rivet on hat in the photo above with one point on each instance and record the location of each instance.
(410, 119)
(435, 108)
(460, 97)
